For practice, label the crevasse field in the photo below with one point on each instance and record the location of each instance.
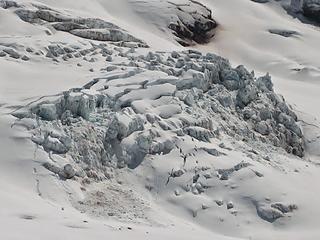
(157, 119)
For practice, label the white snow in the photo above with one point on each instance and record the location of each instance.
(137, 203)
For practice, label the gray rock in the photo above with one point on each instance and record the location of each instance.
(225, 173)
(311, 9)
(29, 50)
(284, 33)
(177, 173)
(8, 4)
(193, 26)
(67, 26)
(25, 58)
(113, 35)
(284, 208)
(69, 171)
(51, 16)
(296, 5)
(12, 53)
(269, 214)
(230, 205)
(213, 152)
(219, 202)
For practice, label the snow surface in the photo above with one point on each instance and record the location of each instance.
(36, 204)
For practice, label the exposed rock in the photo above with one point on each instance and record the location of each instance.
(177, 173)
(90, 28)
(311, 9)
(8, 4)
(25, 58)
(284, 33)
(213, 152)
(12, 53)
(177, 192)
(296, 5)
(225, 173)
(219, 202)
(199, 30)
(269, 214)
(113, 35)
(68, 171)
(284, 208)
(229, 205)
(189, 21)
(261, 1)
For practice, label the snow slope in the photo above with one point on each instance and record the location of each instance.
(36, 204)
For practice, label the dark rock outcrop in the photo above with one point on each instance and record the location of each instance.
(311, 9)
(200, 30)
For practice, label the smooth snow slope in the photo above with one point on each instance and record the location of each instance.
(243, 37)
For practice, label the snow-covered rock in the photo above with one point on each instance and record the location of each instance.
(189, 21)
(90, 28)
(269, 214)
(311, 9)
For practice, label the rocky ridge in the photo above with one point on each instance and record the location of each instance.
(89, 28)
